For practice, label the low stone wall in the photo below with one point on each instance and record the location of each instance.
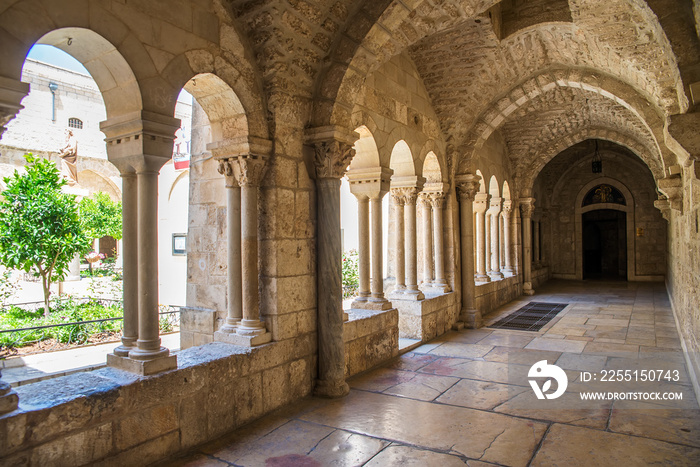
(371, 337)
(491, 295)
(197, 326)
(540, 276)
(117, 418)
(428, 318)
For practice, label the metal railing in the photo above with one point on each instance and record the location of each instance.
(47, 338)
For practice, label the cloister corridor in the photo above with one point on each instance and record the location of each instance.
(463, 398)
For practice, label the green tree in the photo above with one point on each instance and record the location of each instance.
(100, 216)
(39, 226)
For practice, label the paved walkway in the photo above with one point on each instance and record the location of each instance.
(465, 398)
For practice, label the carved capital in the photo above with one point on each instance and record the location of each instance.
(226, 168)
(467, 186)
(332, 158)
(507, 208)
(437, 199)
(527, 207)
(405, 196)
(664, 205)
(249, 170)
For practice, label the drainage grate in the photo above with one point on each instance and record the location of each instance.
(531, 317)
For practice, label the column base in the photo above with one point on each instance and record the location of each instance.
(373, 304)
(496, 275)
(482, 278)
(243, 340)
(527, 289)
(509, 271)
(407, 294)
(331, 389)
(143, 367)
(441, 286)
(9, 400)
(471, 318)
(123, 350)
(230, 327)
(359, 302)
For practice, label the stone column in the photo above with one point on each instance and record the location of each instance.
(487, 242)
(364, 259)
(480, 206)
(333, 152)
(400, 244)
(536, 243)
(427, 240)
(412, 292)
(249, 172)
(234, 282)
(378, 300)
(8, 397)
(371, 184)
(130, 261)
(527, 207)
(436, 202)
(507, 238)
(494, 212)
(467, 186)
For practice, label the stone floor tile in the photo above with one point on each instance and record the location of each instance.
(608, 332)
(576, 446)
(618, 350)
(380, 379)
(423, 386)
(608, 322)
(342, 448)
(412, 457)
(668, 342)
(479, 394)
(472, 433)
(470, 336)
(295, 439)
(458, 349)
(481, 370)
(520, 356)
(507, 340)
(568, 408)
(581, 362)
(194, 460)
(556, 345)
(579, 338)
(675, 425)
(648, 342)
(425, 348)
(411, 361)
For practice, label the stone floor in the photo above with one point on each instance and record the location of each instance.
(465, 398)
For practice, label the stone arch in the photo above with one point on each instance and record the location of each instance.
(506, 190)
(402, 160)
(482, 182)
(366, 152)
(529, 174)
(628, 209)
(494, 189)
(94, 182)
(436, 165)
(431, 169)
(180, 178)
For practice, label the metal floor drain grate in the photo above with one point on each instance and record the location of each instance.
(531, 317)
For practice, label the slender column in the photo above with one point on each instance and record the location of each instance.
(400, 246)
(536, 243)
(501, 247)
(494, 212)
(527, 207)
(377, 255)
(412, 290)
(148, 344)
(233, 234)
(8, 398)
(427, 240)
(332, 158)
(468, 186)
(363, 237)
(129, 254)
(487, 242)
(480, 206)
(250, 171)
(436, 201)
(507, 238)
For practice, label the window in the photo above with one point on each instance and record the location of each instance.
(75, 123)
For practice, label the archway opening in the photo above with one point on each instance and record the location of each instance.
(604, 244)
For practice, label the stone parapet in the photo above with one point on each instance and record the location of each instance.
(371, 337)
(429, 318)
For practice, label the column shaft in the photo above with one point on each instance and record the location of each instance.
(410, 249)
(527, 208)
(148, 343)
(377, 252)
(507, 242)
(440, 281)
(467, 185)
(536, 243)
(234, 283)
(250, 324)
(400, 247)
(481, 275)
(427, 243)
(487, 242)
(363, 238)
(495, 247)
(129, 254)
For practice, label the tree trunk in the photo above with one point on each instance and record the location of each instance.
(47, 291)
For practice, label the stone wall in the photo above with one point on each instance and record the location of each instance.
(115, 418)
(371, 337)
(682, 280)
(491, 295)
(429, 318)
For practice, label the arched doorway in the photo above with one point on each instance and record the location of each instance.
(604, 244)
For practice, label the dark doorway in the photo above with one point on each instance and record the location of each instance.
(605, 244)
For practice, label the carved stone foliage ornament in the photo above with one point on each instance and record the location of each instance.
(404, 196)
(467, 190)
(527, 207)
(247, 170)
(437, 199)
(332, 158)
